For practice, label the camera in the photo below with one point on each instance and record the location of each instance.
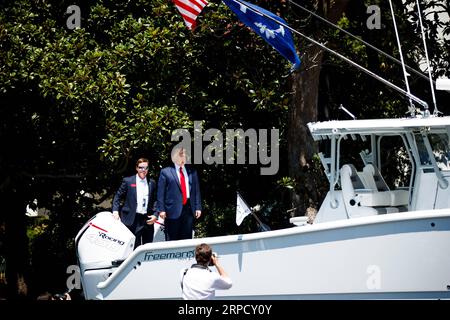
(62, 296)
(59, 296)
(211, 261)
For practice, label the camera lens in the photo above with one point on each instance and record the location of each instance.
(211, 263)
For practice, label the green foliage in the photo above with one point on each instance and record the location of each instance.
(79, 106)
(287, 182)
(37, 228)
(128, 78)
(366, 97)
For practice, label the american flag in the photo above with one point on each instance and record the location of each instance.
(189, 10)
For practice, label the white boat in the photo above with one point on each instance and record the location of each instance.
(367, 241)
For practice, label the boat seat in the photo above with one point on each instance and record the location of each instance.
(374, 180)
(352, 186)
(361, 195)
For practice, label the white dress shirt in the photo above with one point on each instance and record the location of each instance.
(141, 195)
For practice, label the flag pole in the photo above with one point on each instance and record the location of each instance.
(262, 225)
(256, 217)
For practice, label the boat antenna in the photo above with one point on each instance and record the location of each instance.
(435, 111)
(412, 110)
(340, 56)
(420, 74)
(341, 107)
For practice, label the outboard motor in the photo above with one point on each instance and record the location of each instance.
(102, 245)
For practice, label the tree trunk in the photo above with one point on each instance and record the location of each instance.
(304, 109)
(16, 241)
(305, 85)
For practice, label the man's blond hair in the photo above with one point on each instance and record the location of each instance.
(176, 154)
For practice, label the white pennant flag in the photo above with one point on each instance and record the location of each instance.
(159, 233)
(242, 210)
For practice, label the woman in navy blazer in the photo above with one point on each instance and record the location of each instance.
(178, 218)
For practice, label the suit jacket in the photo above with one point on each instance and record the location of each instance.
(128, 189)
(169, 196)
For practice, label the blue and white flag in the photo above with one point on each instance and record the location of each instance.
(275, 34)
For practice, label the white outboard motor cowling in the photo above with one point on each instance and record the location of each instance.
(102, 245)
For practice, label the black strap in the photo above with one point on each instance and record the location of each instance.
(195, 265)
(182, 279)
(200, 266)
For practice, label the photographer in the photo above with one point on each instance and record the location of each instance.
(57, 296)
(200, 283)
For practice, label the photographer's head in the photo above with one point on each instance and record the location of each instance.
(203, 254)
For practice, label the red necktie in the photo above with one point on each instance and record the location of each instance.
(183, 186)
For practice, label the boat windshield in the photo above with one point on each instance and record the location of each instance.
(441, 150)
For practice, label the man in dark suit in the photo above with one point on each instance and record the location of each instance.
(137, 212)
(178, 197)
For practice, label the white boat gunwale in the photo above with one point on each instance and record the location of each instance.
(181, 245)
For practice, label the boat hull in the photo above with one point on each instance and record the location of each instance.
(398, 256)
